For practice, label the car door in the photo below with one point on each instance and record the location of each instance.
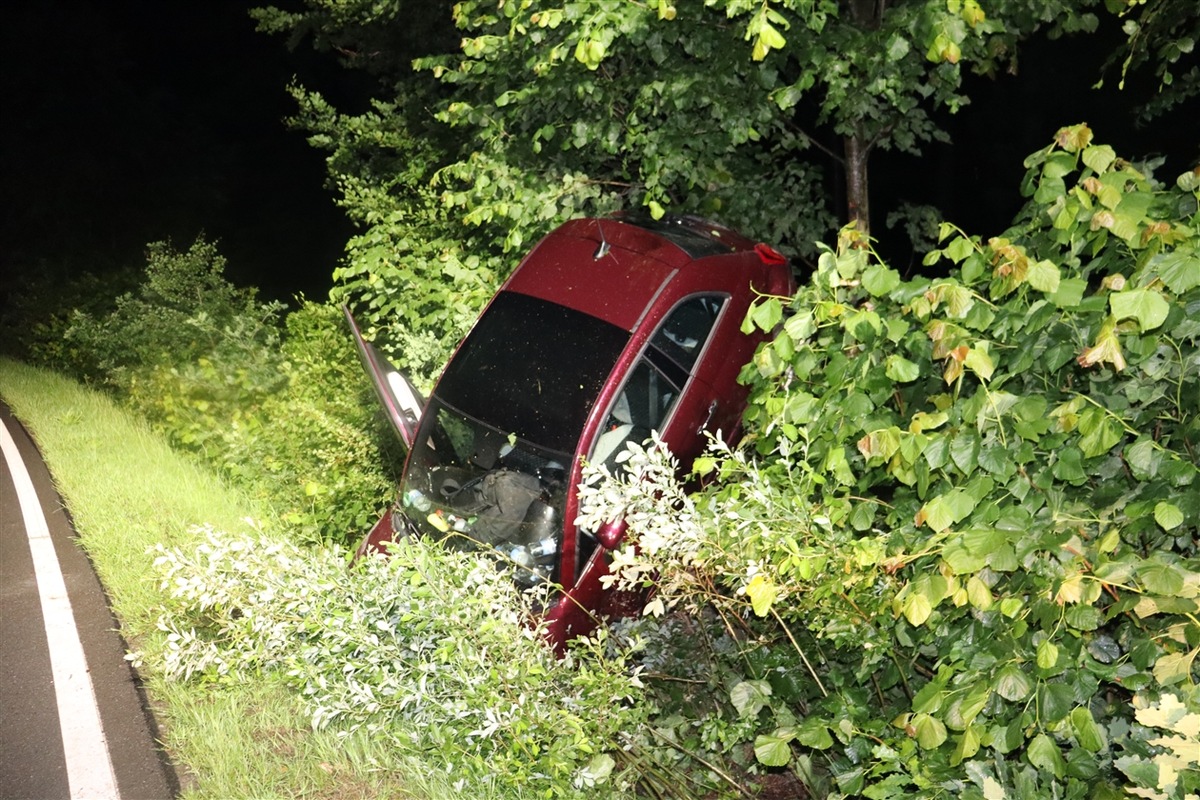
(401, 401)
(660, 392)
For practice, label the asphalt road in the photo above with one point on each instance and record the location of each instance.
(73, 719)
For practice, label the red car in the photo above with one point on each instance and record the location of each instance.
(610, 328)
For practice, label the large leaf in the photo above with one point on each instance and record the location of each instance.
(930, 731)
(1012, 683)
(773, 750)
(1145, 305)
(1090, 736)
(815, 734)
(1180, 270)
(761, 592)
(945, 510)
(1043, 753)
(750, 697)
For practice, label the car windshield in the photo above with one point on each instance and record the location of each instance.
(491, 458)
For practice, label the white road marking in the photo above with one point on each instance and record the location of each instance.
(89, 766)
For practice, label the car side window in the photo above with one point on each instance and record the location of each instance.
(683, 333)
(642, 406)
(654, 384)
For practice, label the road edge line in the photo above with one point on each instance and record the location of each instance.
(90, 772)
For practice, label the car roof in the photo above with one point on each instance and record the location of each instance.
(615, 267)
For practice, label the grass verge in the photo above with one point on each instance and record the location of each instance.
(127, 491)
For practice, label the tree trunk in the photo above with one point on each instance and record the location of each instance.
(866, 14)
(858, 205)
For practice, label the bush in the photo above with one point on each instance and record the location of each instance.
(318, 451)
(183, 310)
(963, 560)
(38, 304)
(426, 649)
(283, 412)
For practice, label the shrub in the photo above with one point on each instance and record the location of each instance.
(281, 411)
(427, 649)
(962, 557)
(183, 310)
(38, 304)
(318, 451)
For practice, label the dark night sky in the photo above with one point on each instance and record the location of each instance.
(130, 121)
(140, 120)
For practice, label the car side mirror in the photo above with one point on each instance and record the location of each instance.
(611, 534)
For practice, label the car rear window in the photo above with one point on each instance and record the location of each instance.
(533, 368)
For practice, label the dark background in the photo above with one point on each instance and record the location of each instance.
(137, 121)
(141, 120)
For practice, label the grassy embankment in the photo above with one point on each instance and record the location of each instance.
(127, 491)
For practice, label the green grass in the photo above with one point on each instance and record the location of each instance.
(128, 491)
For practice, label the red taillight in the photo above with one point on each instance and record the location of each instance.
(769, 255)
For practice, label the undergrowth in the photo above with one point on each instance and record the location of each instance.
(960, 557)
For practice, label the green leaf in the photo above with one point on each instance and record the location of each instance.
(1140, 771)
(1069, 466)
(750, 697)
(978, 594)
(1083, 617)
(1145, 305)
(761, 592)
(1043, 753)
(930, 731)
(815, 734)
(800, 327)
(945, 510)
(1043, 276)
(1168, 515)
(1012, 684)
(968, 746)
(1099, 157)
(767, 314)
(1159, 578)
(1098, 439)
(1089, 735)
(1057, 700)
(1069, 293)
(1011, 606)
(916, 609)
(900, 369)
(979, 361)
(1143, 458)
(1180, 270)
(959, 248)
(964, 451)
(773, 750)
(878, 280)
(1047, 654)
(973, 703)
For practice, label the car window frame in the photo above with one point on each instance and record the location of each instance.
(584, 553)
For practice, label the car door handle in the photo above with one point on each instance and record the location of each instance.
(712, 409)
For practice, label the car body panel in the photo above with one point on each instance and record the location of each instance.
(663, 301)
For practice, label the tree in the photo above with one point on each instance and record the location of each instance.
(731, 109)
(1161, 38)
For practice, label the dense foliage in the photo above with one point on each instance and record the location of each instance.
(963, 557)
(492, 122)
(425, 650)
(277, 405)
(959, 557)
